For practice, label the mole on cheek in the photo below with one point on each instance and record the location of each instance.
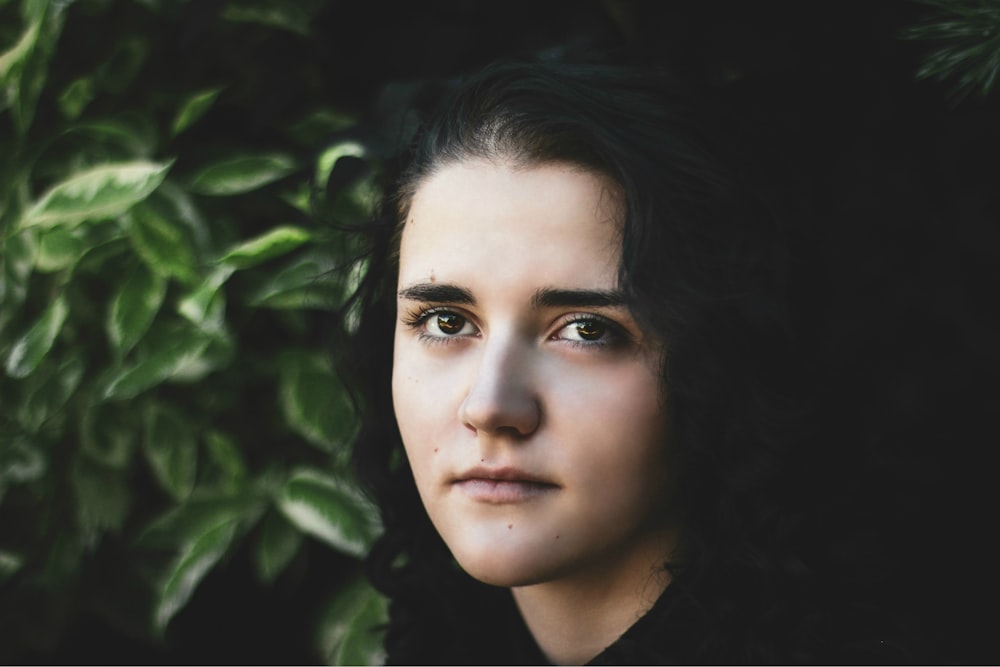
(435, 450)
(509, 526)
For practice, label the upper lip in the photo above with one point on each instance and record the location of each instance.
(506, 474)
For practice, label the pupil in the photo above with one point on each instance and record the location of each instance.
(450, 323)
(591, 330)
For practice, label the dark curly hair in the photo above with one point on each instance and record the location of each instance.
(710, 269)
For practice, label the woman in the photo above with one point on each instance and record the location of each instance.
(601, 435)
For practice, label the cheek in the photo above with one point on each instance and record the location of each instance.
(424, 396)
(620, 430)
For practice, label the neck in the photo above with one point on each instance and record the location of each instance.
(575, 618)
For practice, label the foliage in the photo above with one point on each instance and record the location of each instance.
(166, 388)
(967, 36)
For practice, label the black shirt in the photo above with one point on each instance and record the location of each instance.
(487, 629)
(493, 633)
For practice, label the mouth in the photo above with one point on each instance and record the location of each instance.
(502, 485)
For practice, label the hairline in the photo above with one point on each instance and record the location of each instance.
(518, 160)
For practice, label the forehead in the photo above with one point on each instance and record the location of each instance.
(483, 215)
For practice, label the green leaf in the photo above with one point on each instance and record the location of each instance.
(307, 282)
(103, 496)
(328, 158)
(356, 203)
(318, 124)
(21, 461)
(162, 244)
(330, 509)
(181, 356)
(12, 60)
(277, 242)
(299, 197)
(10, 563)
(24, 69)
(225, 459)
(183, 524)
(177, 205)
(202, 306)
(96, 193)
(351, 627)
(133, 132)
(29, 350)
(76, 96)
(241, 174)
(20, 252)
(45, 393)
(171, 449)
(271, 13)
(109, 433)
(314, 402)
(59, 248)
(191, 566)
(193, 108)
(62, 563)
(277, 545)
(103, 251)
(133, 308)
(202, 529)
(118, 72)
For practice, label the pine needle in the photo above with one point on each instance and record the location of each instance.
(967, 36)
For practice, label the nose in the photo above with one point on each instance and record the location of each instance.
(502, 397)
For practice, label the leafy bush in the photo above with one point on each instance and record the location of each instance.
(166, 387)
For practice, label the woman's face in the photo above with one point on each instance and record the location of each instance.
(528, 398)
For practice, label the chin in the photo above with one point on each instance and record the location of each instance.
(497, 573)
(508, 565)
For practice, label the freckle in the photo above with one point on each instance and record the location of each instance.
(509, 526)
(557, 537)
(435, 450)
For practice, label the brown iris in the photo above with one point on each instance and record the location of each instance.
(590, 329)
(450, 323)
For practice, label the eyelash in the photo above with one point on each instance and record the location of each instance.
(416, 319)
(614, 336)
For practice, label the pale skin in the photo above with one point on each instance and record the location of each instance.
(529, 398)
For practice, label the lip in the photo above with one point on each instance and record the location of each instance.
(502, 485)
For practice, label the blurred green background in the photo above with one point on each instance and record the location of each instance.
(173, 439)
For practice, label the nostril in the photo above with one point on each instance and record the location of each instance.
(514, 413)
(511, 432)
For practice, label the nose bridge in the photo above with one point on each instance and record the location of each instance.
(502, 396)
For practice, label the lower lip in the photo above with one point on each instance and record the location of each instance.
(502, 491)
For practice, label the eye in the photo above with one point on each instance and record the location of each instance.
(439, 325)
(446, 324)
(591, 331)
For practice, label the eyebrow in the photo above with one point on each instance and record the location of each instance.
(545, 297)
(548, 297)
(437, 292)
